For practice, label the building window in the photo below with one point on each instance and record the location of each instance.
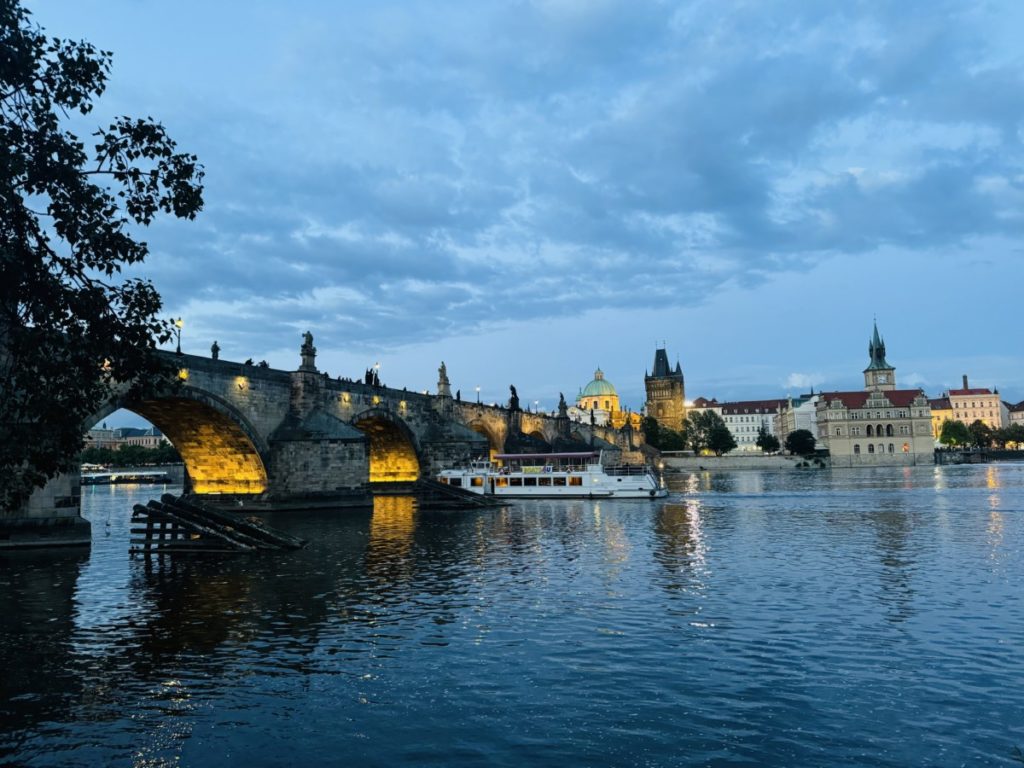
(871, 448)
(871, 431)
(839, 431)
(856, 448)
(888, 431)
(892, 448)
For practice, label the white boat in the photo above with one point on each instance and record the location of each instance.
(554, 475)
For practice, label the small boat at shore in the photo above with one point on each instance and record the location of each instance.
(555, 475)
(127, 477)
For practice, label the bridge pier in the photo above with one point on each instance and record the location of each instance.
(51, 518)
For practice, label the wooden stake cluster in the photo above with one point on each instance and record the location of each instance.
(175, 525)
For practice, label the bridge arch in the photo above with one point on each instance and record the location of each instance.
(221, 450)
(394, 453)
(495, 436)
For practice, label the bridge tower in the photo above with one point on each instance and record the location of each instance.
(666, 392)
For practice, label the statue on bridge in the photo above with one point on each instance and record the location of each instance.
(563, 409)
(215, 350)
(513, 401)
(308, 352)
(444, 386)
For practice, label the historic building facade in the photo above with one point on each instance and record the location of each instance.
(745, 419)
(942, 411)
(880, 425)
(971, 404)
(666, 392)
(797, 413)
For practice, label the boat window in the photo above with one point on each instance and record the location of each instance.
(543, 481)
(443, 480)
(558, 481)
(501, 482)
(517, 481)
(575, 481)
(529, 481)
(476, 482)
(457, 482)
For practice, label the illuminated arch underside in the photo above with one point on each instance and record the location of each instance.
(219, 456)
(494, 443)
(392, 456)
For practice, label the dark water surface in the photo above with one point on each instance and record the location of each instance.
(844, 618)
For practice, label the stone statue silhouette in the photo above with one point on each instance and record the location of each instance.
(215, 350)
(563, 409)
(513, 401)
(307, 341)
(442, 373)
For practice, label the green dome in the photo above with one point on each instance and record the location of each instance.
(599, 386)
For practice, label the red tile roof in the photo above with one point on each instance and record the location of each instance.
(940, 404)
(899, 398)
(965, 392)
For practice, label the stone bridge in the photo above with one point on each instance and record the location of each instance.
(288, 437)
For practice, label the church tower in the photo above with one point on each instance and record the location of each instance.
(879, 376)
(666, 392)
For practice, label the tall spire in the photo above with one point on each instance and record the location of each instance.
(876, 351)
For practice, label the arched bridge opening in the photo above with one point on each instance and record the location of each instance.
(219, 454)
(393, 457)
(495, 438)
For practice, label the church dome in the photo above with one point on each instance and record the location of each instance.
(599, 387)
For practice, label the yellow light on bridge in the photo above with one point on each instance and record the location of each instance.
(346, 398)
(183, 374)
(242, 383)
(376, 399)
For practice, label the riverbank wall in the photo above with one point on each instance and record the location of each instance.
(732, 463)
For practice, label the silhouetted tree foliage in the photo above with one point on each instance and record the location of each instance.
(800, 442)
(662, 438)
(766, 441)
(700, 425)
(954, 433)
(981, 434)
(720, 439)
(69, 324)
(1010, 437)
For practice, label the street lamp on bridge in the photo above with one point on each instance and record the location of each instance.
(478, 394)
(178, 325)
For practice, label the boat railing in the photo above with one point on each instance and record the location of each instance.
(620, 470)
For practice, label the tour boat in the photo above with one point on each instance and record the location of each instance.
(125, 477)
(554, 475)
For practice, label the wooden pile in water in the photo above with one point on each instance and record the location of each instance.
(175, 525)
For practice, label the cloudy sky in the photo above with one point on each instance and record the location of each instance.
(527, 190)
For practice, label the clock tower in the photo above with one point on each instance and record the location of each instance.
(879, 376)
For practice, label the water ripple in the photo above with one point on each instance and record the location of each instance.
(820, 618)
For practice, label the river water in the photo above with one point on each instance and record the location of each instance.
(869, 617)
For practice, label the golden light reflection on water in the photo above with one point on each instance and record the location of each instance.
(681, 547)
(392, 530)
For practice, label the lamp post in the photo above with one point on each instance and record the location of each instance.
(178, 324)
(478, 395)
(536, 406)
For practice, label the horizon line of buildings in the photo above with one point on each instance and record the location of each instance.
(878, 424)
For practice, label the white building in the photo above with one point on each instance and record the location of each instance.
(797, 413)
(746, 418)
